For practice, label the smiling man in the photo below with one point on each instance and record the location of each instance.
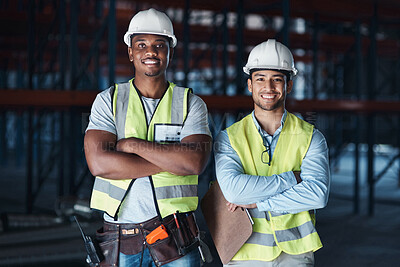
(274, 164)
(146, 143)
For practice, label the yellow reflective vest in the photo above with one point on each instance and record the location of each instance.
(172, 192)
(275, 232)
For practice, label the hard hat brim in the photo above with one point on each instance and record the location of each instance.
(127, 37)
(247, 70)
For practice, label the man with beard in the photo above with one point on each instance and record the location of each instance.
(146, 143)
(274, 164)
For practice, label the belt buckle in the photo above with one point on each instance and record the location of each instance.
(130, 231)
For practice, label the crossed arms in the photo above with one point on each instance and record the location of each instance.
(283, 192)
(132, 158)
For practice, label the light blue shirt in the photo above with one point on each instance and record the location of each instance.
(279, 192)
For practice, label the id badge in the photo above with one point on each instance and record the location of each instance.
(167, 133)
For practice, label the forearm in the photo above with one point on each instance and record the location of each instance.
(186, 158)
(120, 165)
(307, 195)
(104, 161)
(248, 189)
(313, 191)
(241, 188)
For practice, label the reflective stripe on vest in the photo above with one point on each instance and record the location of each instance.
(172, 192)
(275, 232)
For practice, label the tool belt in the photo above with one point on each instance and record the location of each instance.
(167, 241)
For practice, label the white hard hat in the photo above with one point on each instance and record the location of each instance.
(271, 55)
(150, 21)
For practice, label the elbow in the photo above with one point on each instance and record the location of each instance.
(96, 165)
(320, 193)
(320, 205)
(191, 169)
(195, 166)
(198, 168)
(235, 197)
(322, 201)
(199, 160)
(100, 171)
(199, 165)
(96, 169)
(96, 172)
(97, 148)
(231, 198)
(325, 196)
(231, 189)
(230, 194)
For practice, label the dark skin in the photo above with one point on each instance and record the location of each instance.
(269, 89)
(132, 158)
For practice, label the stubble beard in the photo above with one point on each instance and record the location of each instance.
(268, 107)
(152, 74)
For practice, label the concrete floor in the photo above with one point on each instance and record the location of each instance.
(358, 240)
(349, 240)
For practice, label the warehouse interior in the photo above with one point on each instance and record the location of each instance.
(56, 56)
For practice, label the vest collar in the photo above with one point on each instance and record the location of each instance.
(263, 133)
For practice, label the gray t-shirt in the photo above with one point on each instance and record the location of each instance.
(138, 205)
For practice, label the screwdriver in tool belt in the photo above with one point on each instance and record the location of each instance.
(179, 228)
(203, 258)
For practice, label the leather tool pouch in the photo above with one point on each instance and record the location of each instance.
(128, 239)
(163, 251)
(116, 238)
(178, 243)
(174, 246)
(109, 244)
(131, 241)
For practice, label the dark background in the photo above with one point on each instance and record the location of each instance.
(55, 56)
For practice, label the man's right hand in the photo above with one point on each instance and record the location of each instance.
(297, 175)
(232, 207)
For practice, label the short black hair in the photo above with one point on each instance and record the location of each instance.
(287, 73)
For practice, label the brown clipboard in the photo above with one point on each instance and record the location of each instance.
(229, 230)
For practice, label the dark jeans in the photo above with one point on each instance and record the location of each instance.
(192, 259)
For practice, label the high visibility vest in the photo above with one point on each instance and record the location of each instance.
(172, 192)
(275, 232)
